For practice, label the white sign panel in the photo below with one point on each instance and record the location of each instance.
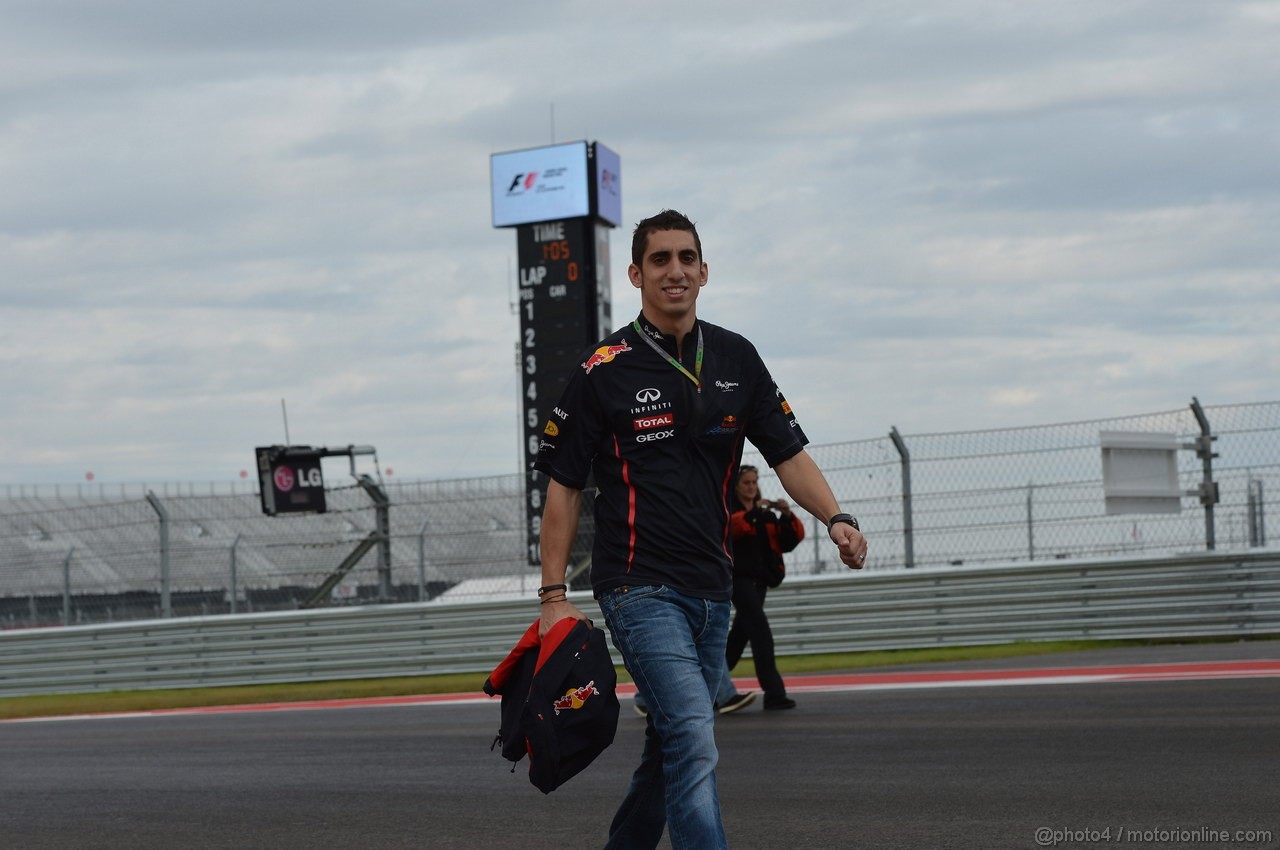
(1140, 472)
(540, 184)
(608, 185)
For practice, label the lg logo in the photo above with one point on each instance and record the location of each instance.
(648, 395)
(286, 479)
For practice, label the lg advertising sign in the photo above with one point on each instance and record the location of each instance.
(573, 180)
(290, 480)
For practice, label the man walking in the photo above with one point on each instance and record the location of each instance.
(658, 412)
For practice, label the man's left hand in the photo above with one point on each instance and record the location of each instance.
(853, 546)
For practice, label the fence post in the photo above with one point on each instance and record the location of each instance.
(422, 562)
(166, 609)
(1257, 520)
(1031, 533)
(1208, 489)
(908, 532)
(382, 512)
(818, 565)
(66, 587)
(235, 591)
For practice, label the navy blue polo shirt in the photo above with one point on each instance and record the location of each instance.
(664, 453)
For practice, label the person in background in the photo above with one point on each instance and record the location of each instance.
(760, 537)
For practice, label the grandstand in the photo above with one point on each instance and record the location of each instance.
(445, 535)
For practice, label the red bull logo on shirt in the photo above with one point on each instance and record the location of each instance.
(728, 425)
(605, 354)
(575, 697)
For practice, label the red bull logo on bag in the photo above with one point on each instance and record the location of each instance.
(575, 697)
(605, 354)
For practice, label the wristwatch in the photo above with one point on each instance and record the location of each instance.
(842, 518)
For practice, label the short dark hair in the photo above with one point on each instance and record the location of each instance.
(665, 220)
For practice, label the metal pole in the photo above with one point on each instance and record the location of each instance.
(1262, 517)
(235, 591)
(817, 550)
(1031, 534)
(166, 609)
(382, 515)
(908, 532)
(66, 587)
(1208, 489)
(1257, 522)
(422, 562)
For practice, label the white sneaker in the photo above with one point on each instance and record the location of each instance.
(736, 702)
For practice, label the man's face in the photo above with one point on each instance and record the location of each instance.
(669, 278)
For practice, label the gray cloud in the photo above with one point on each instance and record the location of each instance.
(940, 216)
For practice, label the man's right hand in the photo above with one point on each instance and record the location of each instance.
(554, 612)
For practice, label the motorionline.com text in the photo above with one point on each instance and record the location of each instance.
(1050, 837)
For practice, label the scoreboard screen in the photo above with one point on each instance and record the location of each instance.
(564, 308)
(540, 184)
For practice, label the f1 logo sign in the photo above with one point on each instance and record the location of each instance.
(528, 180)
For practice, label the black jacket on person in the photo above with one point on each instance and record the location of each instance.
(559, 701)
(760, 537)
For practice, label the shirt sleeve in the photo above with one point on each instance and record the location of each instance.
(571, 436)
(772, 428)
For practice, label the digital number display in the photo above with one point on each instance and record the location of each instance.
(562, 311)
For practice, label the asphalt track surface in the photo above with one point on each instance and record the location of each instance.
(926, 760)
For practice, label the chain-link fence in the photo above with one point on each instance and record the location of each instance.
(1037, 492)
(93, 554)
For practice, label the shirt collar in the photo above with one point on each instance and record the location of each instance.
(667, 341)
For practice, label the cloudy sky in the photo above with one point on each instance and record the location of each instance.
(932, 215)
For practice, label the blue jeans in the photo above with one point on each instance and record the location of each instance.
(725, 691)
(673, 647)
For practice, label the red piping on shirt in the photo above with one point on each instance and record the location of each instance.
(631, 504)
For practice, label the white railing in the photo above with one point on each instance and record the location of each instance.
(1191, 596)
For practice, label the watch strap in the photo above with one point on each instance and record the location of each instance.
(842, 518)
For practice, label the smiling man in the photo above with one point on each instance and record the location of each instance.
(658, 412)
